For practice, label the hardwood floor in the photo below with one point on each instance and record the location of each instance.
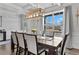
(5, 49)
(72, 51)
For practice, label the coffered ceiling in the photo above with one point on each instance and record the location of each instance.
(20, 8)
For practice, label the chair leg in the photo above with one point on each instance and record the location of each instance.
(25, 51)
(64, 53)
(12, 48)
(20, 49)
(28, 53)
(17, 50)
(46, 53)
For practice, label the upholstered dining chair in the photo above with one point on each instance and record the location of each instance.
(14, 42)
(32, 45)
(48, 34)
(63, 44)
(61, 50)
(22, 43)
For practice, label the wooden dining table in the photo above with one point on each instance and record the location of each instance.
(51, 44)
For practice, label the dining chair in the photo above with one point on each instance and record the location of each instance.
(14, 42)
(22, 43)
(32, 45)
(63, 44)
(48, 34)
(61, 49)
(43, 33)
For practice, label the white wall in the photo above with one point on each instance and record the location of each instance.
(9, 24)
(75, 27)
(10, 21)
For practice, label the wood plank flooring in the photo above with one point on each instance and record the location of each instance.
(5, 49)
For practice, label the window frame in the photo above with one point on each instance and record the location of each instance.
(52, 13)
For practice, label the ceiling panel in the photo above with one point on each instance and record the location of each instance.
(20, 4)
(24, 7)
(44, 5)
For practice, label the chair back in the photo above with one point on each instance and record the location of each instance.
(20, 39)
(48, 33)
(63, 43)
(13, 36)
(31, 43)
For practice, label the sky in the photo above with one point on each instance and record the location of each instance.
(57, 19)
(49, 19)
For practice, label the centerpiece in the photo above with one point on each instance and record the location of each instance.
(33, 30)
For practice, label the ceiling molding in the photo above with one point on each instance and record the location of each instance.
(22, 8)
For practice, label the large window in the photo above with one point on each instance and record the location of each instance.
(58, 21)
(48, 25)
(53, 24)
(48, 22)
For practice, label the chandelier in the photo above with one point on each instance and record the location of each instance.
(35, 12)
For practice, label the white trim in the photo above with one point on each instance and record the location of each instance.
(53, 12)
(43, 23)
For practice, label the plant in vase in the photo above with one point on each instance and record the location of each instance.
(33, 30)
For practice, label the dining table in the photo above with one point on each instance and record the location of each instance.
(50, 43)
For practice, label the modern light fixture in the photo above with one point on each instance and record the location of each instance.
(35, 12)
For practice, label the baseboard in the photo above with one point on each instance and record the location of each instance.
(4, 40)
(8, 39)
(72, 48)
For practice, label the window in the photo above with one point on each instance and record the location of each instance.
(58, 21)
(48, 25)
(53, 23)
